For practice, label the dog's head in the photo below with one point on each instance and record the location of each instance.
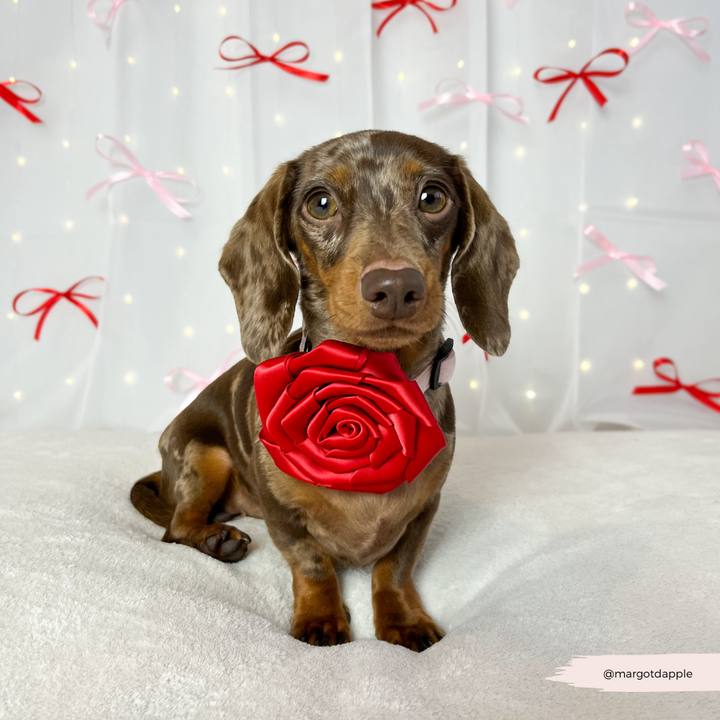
(376, 221)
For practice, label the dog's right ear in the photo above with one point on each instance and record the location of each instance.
(257, 266)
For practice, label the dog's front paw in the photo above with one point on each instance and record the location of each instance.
(416, 636)
(327, 630)
(224, 542)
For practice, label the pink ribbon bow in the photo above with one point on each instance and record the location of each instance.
(55, 297)
(696, 153)
(17, 101)
(257, 57)
(471, 96)
(704, 396)
(634, 262)
(678, 26)
(135, 169)
(199, 382)
(108, 21)
(402, 4)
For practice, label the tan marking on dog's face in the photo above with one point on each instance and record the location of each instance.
(340, 175)
(412, 168)
(376, 181)
(309, 257)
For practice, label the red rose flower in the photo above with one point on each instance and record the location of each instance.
(346, 418)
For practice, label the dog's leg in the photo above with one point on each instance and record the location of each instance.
(203, 476)
(400, 618)
(319, 616)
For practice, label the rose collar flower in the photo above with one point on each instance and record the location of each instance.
(346, 418)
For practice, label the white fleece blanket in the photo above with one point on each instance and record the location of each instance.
(544, 547)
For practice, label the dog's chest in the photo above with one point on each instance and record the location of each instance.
(359, 528)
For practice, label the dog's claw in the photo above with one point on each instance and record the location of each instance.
(323, 631)
(416, 637)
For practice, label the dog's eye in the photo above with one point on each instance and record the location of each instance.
(432, 199)
(321, 205)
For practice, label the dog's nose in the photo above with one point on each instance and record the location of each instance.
(393, 293)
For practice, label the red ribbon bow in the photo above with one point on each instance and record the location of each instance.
(402, 4)
(466, 338)
(19, 102)
(257, 57)
(56, 296)
(583, 75)
(702, 396)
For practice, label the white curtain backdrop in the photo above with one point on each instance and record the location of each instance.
(579, 346)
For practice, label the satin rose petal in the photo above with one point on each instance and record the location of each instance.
(391, 469)
(386, 448)
(382, 400)
(271, 374)
(365, 449)
(408, 396)
(313, 378)
(296, 419)
(367, 405)
(330, 463)
(331, 354)
(429, 439)
(273, 423)
(384, 365)
(406, 426)
(347, 414)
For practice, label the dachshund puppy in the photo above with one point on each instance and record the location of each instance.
(365, 228)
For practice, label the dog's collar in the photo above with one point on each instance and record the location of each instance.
(431, 377)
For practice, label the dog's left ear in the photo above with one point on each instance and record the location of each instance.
(484, 267)
(257, 265)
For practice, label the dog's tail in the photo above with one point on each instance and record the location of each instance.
(145, 496)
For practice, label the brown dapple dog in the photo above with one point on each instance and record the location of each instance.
(376, 221)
